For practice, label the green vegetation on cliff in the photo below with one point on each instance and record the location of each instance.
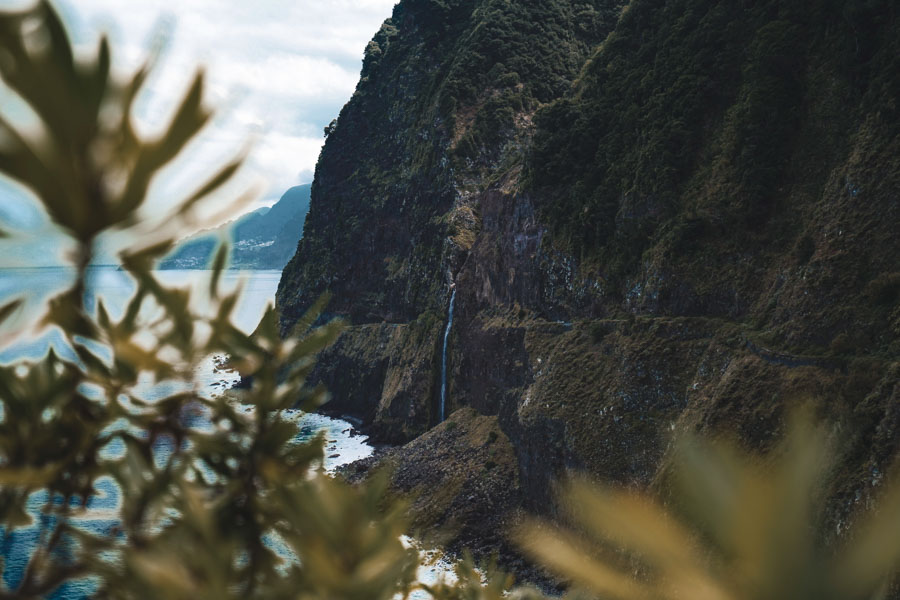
(703, 131)
(668, 216)
(683, 85)
(442, 90)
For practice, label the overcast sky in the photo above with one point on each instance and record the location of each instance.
(278, 72)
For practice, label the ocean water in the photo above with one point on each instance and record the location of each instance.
(37, 285)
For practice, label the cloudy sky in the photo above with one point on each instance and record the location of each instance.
(278, 72)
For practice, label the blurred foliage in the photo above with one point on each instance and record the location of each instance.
(218, 499)
(736, 526)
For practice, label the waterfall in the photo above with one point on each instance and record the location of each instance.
(444, 356)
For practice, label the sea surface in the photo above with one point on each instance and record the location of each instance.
(37, 285)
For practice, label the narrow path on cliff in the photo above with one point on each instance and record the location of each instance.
(792, 361)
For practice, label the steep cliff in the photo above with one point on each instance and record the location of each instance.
(443, 106)
(668, 215)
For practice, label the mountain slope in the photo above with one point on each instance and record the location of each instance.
(681, 215)
(263, 239)
(441, 85)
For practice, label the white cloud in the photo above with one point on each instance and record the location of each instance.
(278, 71)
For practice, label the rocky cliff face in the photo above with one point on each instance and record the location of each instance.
(667, 216)
(443, 106)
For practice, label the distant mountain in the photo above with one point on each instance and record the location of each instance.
(263, 239)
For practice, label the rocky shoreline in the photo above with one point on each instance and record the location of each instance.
(461, 483)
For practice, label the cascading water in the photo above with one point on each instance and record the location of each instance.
(444, 356)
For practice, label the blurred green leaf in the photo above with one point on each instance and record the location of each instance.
(744, 529)
(9, 308)
(220, 260)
